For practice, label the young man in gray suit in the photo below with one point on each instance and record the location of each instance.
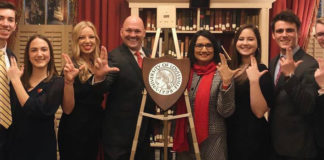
(292, 133)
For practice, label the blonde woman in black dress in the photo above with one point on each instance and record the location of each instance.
(80, 125)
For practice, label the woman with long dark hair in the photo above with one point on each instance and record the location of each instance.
(36, 95)
(248, 132)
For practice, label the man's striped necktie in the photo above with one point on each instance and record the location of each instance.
(5, 108)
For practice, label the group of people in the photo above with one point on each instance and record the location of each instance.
(229, 99)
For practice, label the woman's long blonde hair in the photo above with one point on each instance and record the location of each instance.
(84, 74)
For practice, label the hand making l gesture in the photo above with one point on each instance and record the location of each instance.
(287, 64)
(70, 72)
(101, 67)
(225, 72)
(253, 72)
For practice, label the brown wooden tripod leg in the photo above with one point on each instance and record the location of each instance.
(192, 126)
(138, 125)
(165, 136)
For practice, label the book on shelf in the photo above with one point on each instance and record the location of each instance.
(183, 19)
(202, 19)
(186, 46)
(191, 19)
(160, 47)
(238, 19)
(220, 19)
(207, 20)
(187, 20)
(216, 21)
(233, 27)
(179, 19)
(223, 20)
(194, 20)
(153, 22)
(228, 20)
(212, 20)
(243, 17)
(148, 19)
(182, 49)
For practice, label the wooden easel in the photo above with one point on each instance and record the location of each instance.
(166, 118)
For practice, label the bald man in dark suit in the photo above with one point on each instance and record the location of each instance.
(124, 90)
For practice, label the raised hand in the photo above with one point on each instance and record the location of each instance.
(288, 65)
(225, 72)
(70, 72)
(101, 67)
(14, 73)
(253, 72)
(319, 73)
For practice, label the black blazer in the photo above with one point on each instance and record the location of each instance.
(291, 116)
(123, 102)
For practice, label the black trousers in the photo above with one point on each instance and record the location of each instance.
(279, 157)
(3, 139)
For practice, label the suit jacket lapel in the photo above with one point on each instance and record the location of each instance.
(9, 54)
(273, 66)
(298, 55)
(132, 61)
(273, 70)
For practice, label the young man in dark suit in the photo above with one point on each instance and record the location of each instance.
(293, 70)
(124, 96)
(8, 17)
(319, 77)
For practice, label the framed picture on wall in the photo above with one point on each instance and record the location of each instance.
(34, 11)
(49, 12)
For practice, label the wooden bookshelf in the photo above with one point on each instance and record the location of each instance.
(257, 14)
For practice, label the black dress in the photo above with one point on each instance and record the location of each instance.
(79, 132)
(32, 135)
(319, 126)
(248, 136)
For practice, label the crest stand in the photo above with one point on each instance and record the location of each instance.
(183, 91)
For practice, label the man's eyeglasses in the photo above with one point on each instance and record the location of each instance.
(208, 46)
(319, 35)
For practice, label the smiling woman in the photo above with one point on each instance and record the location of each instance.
(37, 97)
(80, 124)
(253, 97)
(211, 95)
(39, 54)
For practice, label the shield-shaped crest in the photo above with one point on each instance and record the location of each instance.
(165, 79)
